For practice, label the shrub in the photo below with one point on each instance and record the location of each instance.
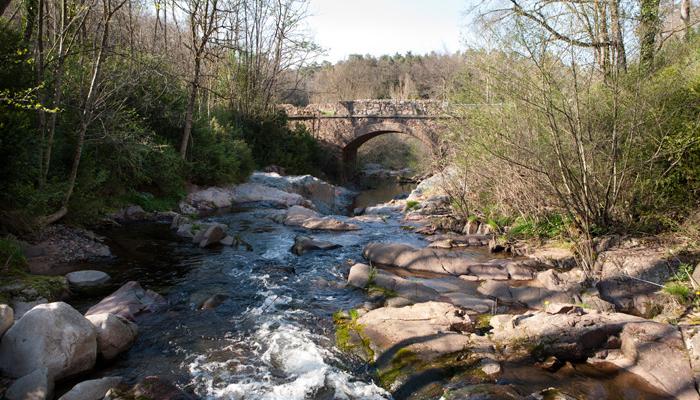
(219, 156)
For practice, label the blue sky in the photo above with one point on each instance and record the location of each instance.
(377, 27)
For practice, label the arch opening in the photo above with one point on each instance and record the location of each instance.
(369, 132)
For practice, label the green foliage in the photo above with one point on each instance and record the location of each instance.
(546, 227)
(13, 270)
(219, 156)
(411, 204)
(678, 290)
(273, 143)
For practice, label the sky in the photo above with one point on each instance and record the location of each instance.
(377, 27)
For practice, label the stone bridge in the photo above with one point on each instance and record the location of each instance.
(345, 126)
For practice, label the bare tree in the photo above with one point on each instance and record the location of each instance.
(203, 23)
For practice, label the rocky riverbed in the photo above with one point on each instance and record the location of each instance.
(268, 290)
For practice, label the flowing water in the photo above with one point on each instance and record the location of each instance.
(272, 337)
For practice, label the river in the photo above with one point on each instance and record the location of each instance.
(272, 337)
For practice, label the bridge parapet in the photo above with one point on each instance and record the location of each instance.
(368, 108)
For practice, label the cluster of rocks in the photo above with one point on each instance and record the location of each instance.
(203, 234)
(273, 189)
(59, 245)
(53, 341)
(472, 314)
(136, 213)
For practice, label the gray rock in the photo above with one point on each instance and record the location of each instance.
(254, 192)
(519, 271)
(185, 230)
(426, 329)
(566, 336)
(213, 301)
(37, 385)
(7, 318)
(115, 334)
(87, 279)
(398, 302)
(327, 198)
(95, 389)
(303, 244)
(129, 301)
(227, 241)
(490, 367)
(496, 289)
(54, 336)
(656, 352)
(212, 235)
(134, 213)
(475, 304)
(21, 307)
(359, 275)
(406, 256)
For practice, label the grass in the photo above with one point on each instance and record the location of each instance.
(412, 204)
(547, 227)
(387, 293)
(679, 290)
(349, 335)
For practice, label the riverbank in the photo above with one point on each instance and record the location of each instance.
(275, 299)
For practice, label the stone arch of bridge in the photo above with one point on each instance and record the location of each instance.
(367, 132)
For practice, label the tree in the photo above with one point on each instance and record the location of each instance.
(649, 25)
(203, 22)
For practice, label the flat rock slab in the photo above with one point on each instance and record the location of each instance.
(656, 352)
(129, 301)
(569, 336)
(303, 244)
(87, 279)
(477, 305)
(427, 329)
(92, 390)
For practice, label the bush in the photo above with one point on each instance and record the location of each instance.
(219, 156)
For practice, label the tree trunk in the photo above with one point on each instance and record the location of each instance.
(58, 90)
(685, 17)
(87, 113)
(41, 114)
(620, 58)
(189, 113)
(3, 6)
(648, 30)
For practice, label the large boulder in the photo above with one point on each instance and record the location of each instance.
(94, 389)
(309, 219)
(129, 301)
(87, 279)
(427, 330)
(565, 331)
(327, 198)
(303, 244)
(7, 318)
(54, 336)
(656, 352)
(38, 385)
(254, 192)
(401, 255)
(115, 334)
(213, 198)
(629, 276)
(210, 235)
(360, 275)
